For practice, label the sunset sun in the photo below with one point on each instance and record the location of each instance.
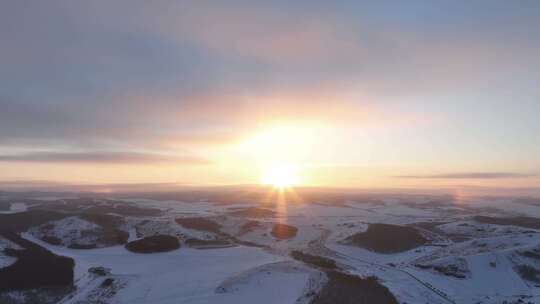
(280, 177)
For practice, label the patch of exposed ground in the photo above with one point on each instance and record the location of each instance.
(283, 231)
(349, 289)
(314, 260)
(199, 223)
(385, 238)
(254, 212)
(529, 273)
(208, 244)
(36, 267)
(521, 221)
(153, 244)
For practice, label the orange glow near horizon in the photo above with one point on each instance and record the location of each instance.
(281, 154)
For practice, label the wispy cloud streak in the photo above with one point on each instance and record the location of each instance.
(469, 175)
(100, 157)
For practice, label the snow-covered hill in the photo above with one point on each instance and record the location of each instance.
(234, 252)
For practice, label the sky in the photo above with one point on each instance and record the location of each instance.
(367, 94)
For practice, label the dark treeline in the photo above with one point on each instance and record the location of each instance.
(386, 238)
(152, 244)
(36, 267)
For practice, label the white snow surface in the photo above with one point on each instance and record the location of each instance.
(69, 230)
(15, 208)
(253, 275)
(4, 259)
(189, 275)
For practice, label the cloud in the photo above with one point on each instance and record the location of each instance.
(47, 186)
(146, 76)
(189, 119)
(100, 157)
(198, 63)
(470, 175)
(271, 35)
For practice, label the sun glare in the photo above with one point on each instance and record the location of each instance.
(279, 151)
(280, 177)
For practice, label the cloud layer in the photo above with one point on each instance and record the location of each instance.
(451, 80)
(101, 157)
(471, 175)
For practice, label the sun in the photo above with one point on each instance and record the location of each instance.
(280, 177)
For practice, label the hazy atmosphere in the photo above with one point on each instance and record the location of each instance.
(269, 152)
(369, 94)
